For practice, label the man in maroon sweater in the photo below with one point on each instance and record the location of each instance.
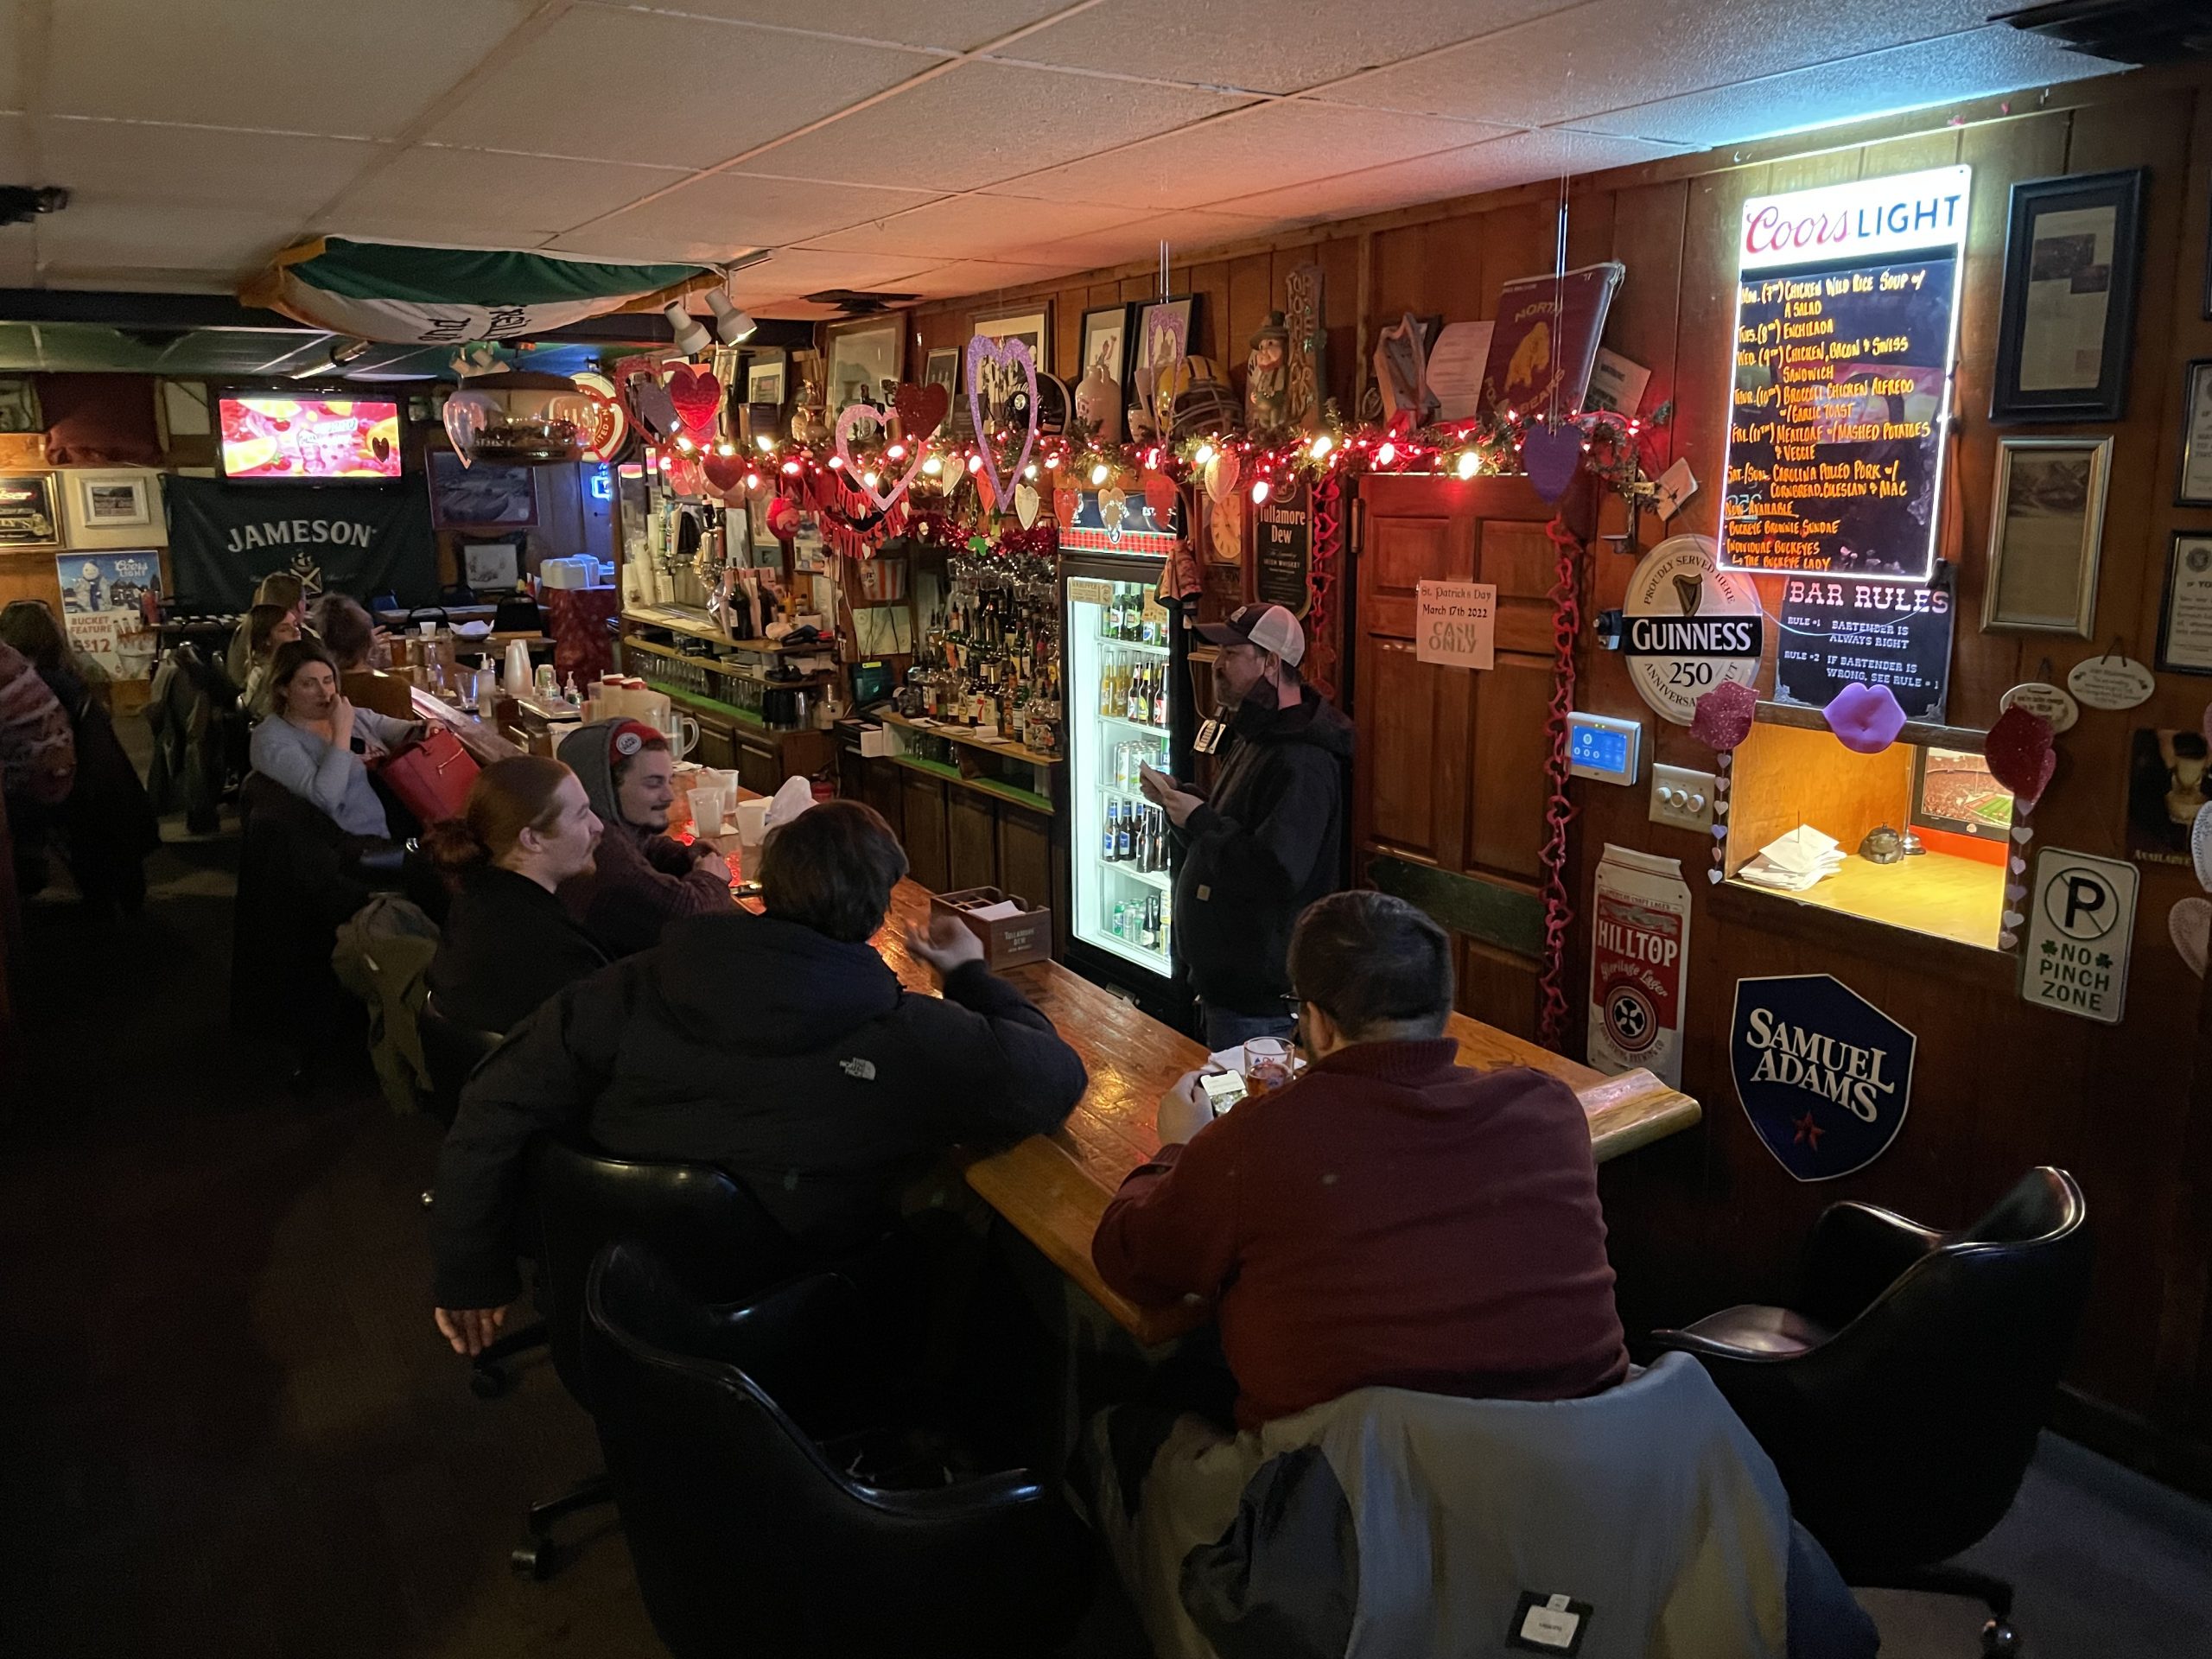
(1388, 1219)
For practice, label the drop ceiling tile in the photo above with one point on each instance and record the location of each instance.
(983, 122)
(15, 149)
(122, 236)
(306, 65)
(952, 25)
(1606, 54)
(973, 227)
(1265, 148)
(796, 270)
(1989, 61)
(1261, 44)
(503, 196)
(1518, 158)
(645, 87)
(714, 217)
(126, 161)
(1140, 239)
(980, 277)
(11, 57)
(18, 257)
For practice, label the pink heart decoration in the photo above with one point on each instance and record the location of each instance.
(1550, 454)
(697, 397)
(921, 410)
(1865, 719)
(1722, 716)
(1160, 496)
(2020, 756)
(852, 415)
(982, 350)
(466, 414)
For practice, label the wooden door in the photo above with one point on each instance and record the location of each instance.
(922, 816)
(1448, 780)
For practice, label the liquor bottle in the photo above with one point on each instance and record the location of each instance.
(1151, 923)
(1159, 700)
(1125, 839)
(1112, 838)
(1106, 688)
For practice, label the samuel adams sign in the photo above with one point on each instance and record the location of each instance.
(350, 539)
(1824, 1074)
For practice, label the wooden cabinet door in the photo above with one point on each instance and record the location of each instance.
(972, 838)
(757, 766)
(922, 813)
(879, 789)
(1026, 853)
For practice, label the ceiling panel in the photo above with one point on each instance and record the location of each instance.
(501, 195)
(977, 227)
(305, 65)
(1140, 239)
(11, 56)
(1262, 44)
(604, 84)
(1261, 148)
(1995, 60)
(956, 25)
(713, 217)
(796, 270)
(1606, 54)
(984, 122)
(981, 277)
(91, 238)
(15, 150)
(18, 257)
(123, 161)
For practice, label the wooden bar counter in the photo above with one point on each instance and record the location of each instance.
(1053, 1189)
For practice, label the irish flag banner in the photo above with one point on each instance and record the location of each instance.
(398, 294)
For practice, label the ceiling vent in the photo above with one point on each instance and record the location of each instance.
(2121, 31)
(855, 303)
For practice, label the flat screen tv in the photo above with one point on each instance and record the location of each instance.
(301, 440)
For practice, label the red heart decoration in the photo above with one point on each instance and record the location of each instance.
(1160, 496)
(2019, 755)
(725, 473)
(921, 410)
(1722, 718)
(698, 399)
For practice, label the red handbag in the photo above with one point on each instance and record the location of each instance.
(431, 778)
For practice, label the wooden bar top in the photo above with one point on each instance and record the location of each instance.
(1053, 1189)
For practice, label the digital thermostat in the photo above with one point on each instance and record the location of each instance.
(1604, 748)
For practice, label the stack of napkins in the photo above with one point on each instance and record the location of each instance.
(1795, 861)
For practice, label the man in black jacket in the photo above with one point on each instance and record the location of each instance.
(781, 1047)
(1270, 840)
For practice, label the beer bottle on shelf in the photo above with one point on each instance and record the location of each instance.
(1125, 838)
(1151, 923)
(1112, 828)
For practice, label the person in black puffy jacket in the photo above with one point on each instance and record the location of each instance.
(779, 1046)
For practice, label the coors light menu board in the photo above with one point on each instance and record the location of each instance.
(1845, 302)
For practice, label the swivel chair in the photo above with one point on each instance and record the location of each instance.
(1901, 1395)
(746, 1538)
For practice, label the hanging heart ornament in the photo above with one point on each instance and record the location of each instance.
(1026, 502)
(853, 415)
(1550, 454)
(726, 473)
(921, 410)
(698, 399)
(2019, 753)
(986, 355)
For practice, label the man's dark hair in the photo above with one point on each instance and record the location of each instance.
(1367, 960)
(832, 868)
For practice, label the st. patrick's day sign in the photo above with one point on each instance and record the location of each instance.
(1824, 1074)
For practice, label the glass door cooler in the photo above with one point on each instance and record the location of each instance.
(1125, 711)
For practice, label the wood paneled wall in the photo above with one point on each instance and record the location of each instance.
(1710, 1218)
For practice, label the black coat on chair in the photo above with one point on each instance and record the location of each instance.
(748, 1539)
(1900, 1397)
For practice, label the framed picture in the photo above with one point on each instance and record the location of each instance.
(114, 501)
(487, 496)
(493, 566)
(2073, 251)
(27, 511)
(1165, 331)
(2185, 614)
(2046, 530)
(942, 368)
(1106, 337)
(764, 380)
(865, 360)
(1033, 328)
(2195, 489)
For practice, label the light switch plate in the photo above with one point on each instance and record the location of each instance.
(1681, 798)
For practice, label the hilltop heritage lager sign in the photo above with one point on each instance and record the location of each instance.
(1824, 1074)
(1686, 625)
(1846, 332)
(352, 539)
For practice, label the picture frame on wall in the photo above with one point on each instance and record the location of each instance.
(2046, 536)
(2185, 613)
(942, 368)
(28, 515)
(2073, 256)
(1106, 338)
(1165, 331)
(767, 378)
(115, 500)
(866, 356)
(2194, 487)
(489, 495)
(1033, 328)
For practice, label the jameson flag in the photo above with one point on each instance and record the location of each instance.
(346, 539)
(427, 297)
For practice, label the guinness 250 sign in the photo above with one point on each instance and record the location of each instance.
(1687, 626)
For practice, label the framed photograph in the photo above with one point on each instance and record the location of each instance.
(2167, 788)
(493, 566)
(1106, 337)
(1033, 328)
(2185, 614)
(865, 361)
(942, 368)
(114, 501)
(2073, 252)
(487, 496)
(2195, 489)
(2046, 530)
(764, 379)
(28, 517)
(1165, 331)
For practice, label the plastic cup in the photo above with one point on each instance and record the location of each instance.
(706, 810)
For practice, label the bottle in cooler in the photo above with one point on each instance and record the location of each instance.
(1112, 828)
(1125, 837)
(1151, 923)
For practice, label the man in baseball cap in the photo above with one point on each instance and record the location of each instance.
(1269, 839)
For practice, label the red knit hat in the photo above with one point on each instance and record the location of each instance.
(631, 738)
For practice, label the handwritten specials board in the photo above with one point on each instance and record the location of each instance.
(1845, 331)
(1283, 535)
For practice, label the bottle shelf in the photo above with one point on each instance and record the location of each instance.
(1160, 879)
(1112, 643)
